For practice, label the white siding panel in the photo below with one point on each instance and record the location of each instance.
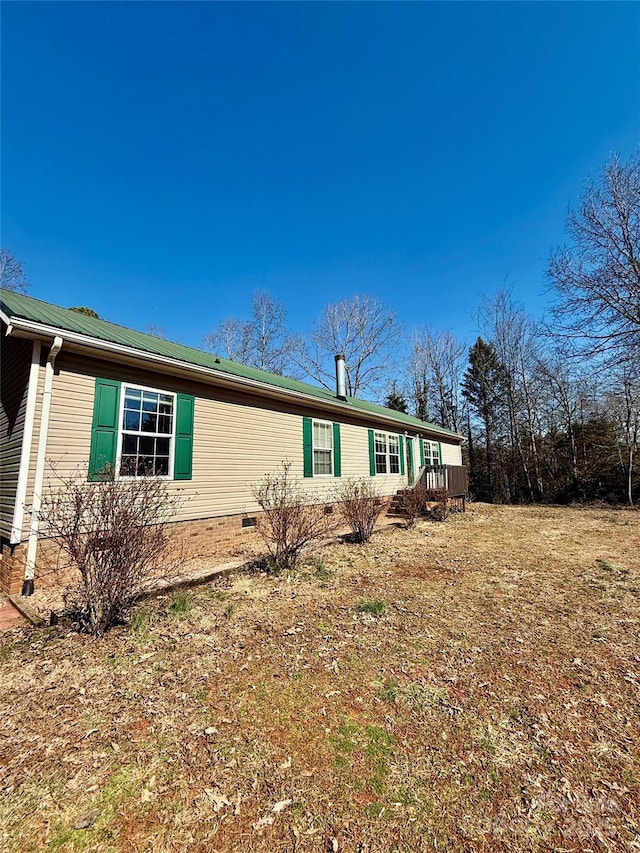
(451, 454)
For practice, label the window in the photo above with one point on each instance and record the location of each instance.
(381, 453)
(431, 452)
(137, 431)
(387, 451)
(322, 448)
(394, 454)
(321, 456)
(146, 432)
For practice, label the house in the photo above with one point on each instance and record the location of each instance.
(81, 393)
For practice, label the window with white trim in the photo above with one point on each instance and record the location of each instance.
(381, 452)
(322, 448)
(431, 452)
(146, 432)
(387, 453)
(394, 454)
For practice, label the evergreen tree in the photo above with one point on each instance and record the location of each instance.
(82, 309)
(396, 401)
(482, 387)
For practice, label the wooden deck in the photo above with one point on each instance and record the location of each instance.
(452, 478)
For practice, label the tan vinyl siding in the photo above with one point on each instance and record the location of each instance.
(15, 361)
(451, 454)
(236, 441)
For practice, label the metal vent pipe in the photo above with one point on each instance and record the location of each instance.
(341, 378)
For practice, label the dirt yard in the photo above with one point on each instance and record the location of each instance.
(466, 686)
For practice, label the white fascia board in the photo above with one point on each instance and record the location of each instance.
(30, 328)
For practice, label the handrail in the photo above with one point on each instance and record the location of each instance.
(434, 478)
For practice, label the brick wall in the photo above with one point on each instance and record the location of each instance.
(12, 563)
(203, 538)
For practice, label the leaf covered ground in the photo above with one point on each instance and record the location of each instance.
(467, 686)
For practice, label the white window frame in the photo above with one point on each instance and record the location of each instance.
(431, 452)
(387, 454)
(121, 430)
(395, 455)
(315, 421)
(376, 453)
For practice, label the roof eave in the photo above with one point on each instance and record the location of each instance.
(22, 327)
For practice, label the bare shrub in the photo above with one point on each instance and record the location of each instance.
(412, 503)
(360, 506)
(113, 533)
(290, 521)
(442, 509)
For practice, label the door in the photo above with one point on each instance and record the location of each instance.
(410, 472)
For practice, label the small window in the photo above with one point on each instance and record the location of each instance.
(146, 432)
(322, 448)
(431, 452)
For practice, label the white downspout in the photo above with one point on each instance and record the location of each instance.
(25, 453)
(29, 572)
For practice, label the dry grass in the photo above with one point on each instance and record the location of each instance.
(491, 704)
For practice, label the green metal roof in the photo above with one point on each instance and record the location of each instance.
(17, 305)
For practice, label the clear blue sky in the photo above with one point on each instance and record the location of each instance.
(162, 161)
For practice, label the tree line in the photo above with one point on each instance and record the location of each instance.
(549, 407)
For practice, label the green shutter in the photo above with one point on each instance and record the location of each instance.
(104, 429)
(401, 447)
(440, 452)
(421, 442)
(372, 454)
(337, 461)
(307, 447)
(183, 456)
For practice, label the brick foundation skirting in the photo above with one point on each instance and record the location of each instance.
(199, 538)
(13, 559)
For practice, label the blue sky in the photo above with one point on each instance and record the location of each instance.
(161, 162)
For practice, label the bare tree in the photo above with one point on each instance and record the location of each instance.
(436, 366)
(514, 336)
(12, 276)
(262, 341)
(597, 278)
(115, 534)
(419, 382)
(365, 331)
(156, 331)
(624, 404)
(290, 520)
(360, 506)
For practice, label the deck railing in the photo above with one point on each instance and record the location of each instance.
(453, 478)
